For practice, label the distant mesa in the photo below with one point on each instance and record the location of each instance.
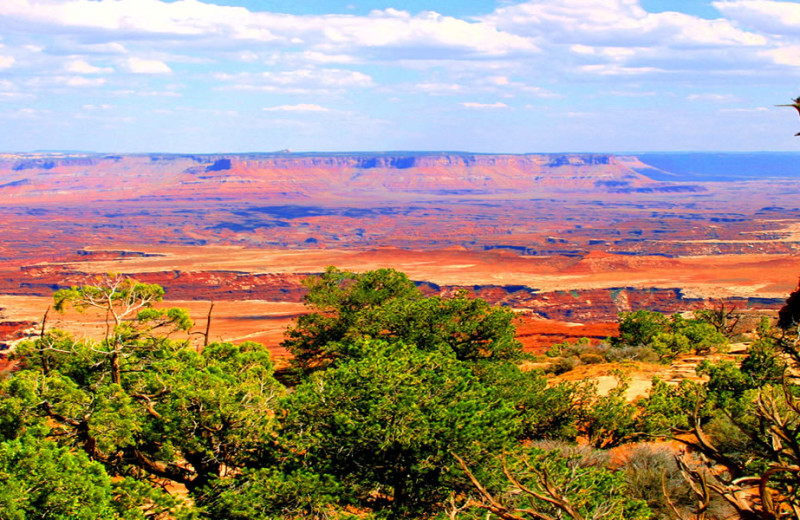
(219, 165)
(314, 176)
(21, 182)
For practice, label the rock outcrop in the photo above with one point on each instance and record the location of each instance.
(583, 306)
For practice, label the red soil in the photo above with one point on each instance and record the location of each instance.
(573, 238)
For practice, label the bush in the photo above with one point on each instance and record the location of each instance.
(628, 353)
(640, 327)
(669, 345)
(650, 471)
(590, 358)
(563, 365)
(537, 483)
(668, 337)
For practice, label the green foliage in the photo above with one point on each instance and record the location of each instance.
(567, 348)
(668, 337)
(384, 425)
(140, 403)
(726, 381)
(640, 327)
(123, 296)
(568, 483)
(544, 411)
(39, 479)
(670, 409)
(564, 364)
(385, 304)
(722, 317)
(344, 304)
(572, 354)
(472, 328)
(131, 322)
(743, 422)
(276, 493)
(763, 364)
(89, 428)
(669, 345)
(701, 336)
(610, 418)
(18, 407)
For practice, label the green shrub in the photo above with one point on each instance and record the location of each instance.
(640, 327)
(563, 365)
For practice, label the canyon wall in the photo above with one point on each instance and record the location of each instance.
(574, 305)
(571, 237)
(28, 178)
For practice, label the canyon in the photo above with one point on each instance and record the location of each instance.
(567, 240)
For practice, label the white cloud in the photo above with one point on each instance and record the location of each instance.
(788, 55)
(470, 104)
(323, 77)
(620, 38)
(498, 80)
(579, 48)
(148, 93)
(78, 81)
(302, 107)
(184, 17)
(539, 92)
(6, 62)
(15, 96)
(714, 98)
(330, 37)
(618, 70)
(320, 57)
(621, 23)
(744, 110)
(84, 67)
(763, 15)
(595, 51)
(97, 107)
(30, 113)
(143, 66)
(299, 81)
(603, 37)
(395, 30)
(439, 88)
(248, 56)
(109, 48)
(10, 92)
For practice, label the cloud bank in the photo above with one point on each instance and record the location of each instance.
(557, 58)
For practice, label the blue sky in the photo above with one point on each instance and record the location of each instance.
(344, 75)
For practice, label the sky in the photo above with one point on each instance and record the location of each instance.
(489, 76)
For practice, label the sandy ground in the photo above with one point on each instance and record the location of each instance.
(766, 276)
(236, 321)
(758, 275)
(261, 321)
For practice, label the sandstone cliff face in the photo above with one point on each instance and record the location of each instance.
(581, 305)
(307, 176)
(570, 213)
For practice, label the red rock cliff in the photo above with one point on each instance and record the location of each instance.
(306, 176)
